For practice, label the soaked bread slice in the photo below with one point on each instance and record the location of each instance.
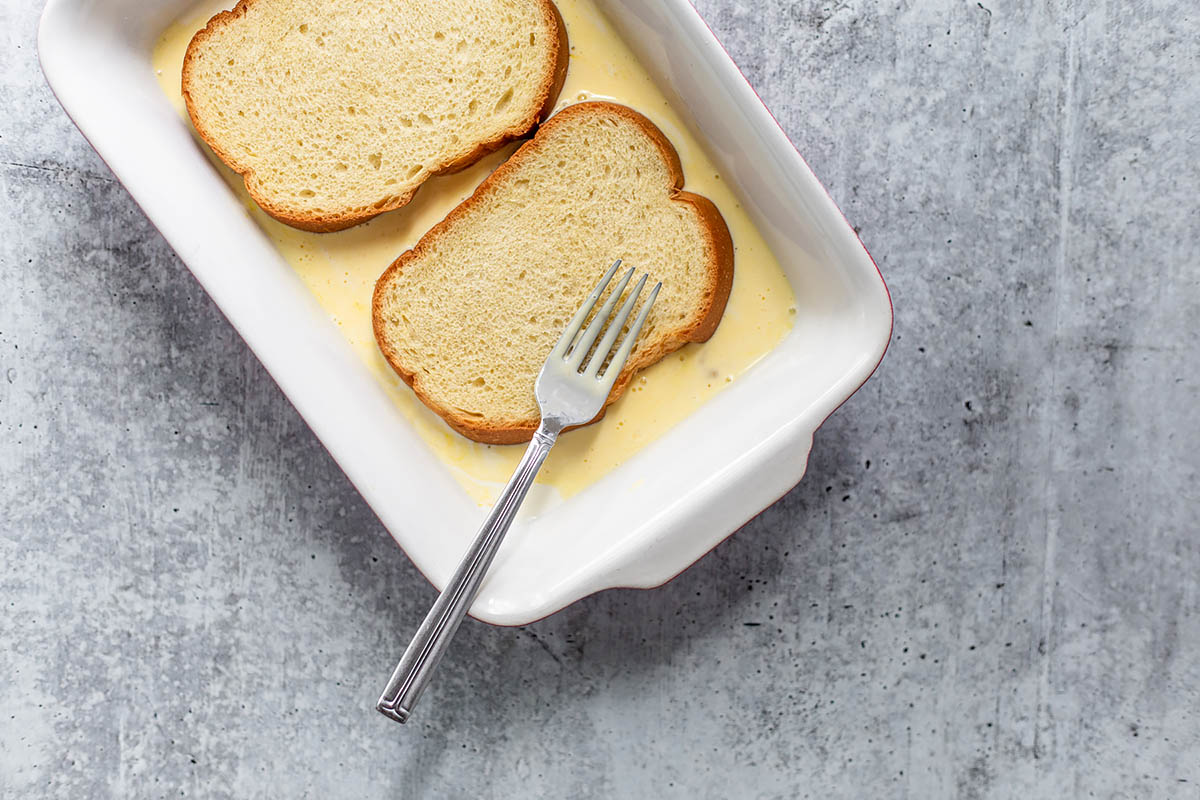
(468, 316)
(334, 112)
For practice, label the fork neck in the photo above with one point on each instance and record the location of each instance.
(548, 430)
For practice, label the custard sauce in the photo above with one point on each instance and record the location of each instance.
(341, 268)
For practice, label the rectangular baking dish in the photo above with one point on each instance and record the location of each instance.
(654, 515)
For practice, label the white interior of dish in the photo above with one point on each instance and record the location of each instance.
(649, 518)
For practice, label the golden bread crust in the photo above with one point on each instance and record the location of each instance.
(551, 85)
(719, 271)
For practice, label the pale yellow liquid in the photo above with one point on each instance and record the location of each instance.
(341, 269)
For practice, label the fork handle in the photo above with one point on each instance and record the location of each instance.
(429, 644)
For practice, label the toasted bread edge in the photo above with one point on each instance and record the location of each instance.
(329, 223)
(720, 272)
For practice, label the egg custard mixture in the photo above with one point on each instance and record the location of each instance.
(341, 269)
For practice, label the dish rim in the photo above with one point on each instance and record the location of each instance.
(51, 60)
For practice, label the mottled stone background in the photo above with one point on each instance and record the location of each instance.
(985, 587)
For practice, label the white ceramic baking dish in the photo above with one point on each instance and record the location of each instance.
(644, 522)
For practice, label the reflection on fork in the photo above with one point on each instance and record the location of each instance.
(571, 390)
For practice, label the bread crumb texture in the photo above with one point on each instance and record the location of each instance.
(468, 315)
(334, 112)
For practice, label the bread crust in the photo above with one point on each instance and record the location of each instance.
(551, 85)
(720, 272)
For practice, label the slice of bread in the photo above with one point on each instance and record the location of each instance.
(335, 112)
(468, 316)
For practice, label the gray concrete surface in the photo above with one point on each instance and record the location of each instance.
(986, 587)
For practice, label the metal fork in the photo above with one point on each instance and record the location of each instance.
(570, 390)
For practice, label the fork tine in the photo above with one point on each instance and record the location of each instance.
(579, 352)
(568, 335)
(614, 329)
(622, 354)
